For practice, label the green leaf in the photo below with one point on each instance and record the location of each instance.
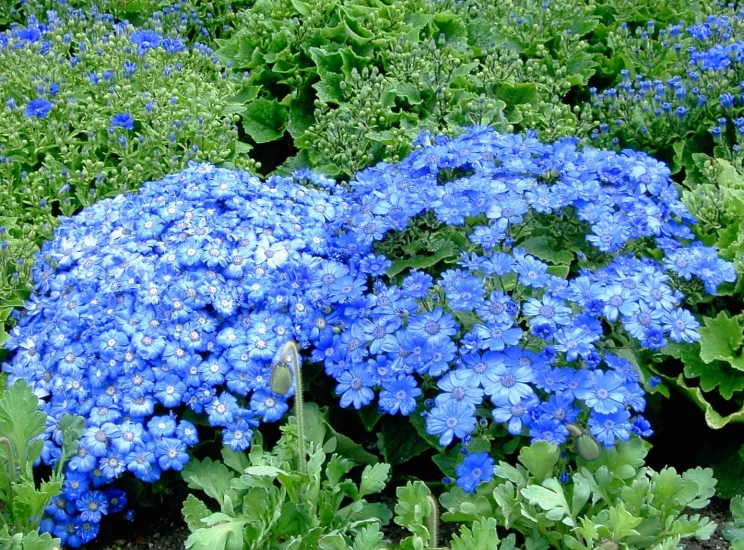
(209, 476)
(369, 538)
(706, 486)
(194, 511)
(373, 479)
(550, 497)
(399, 442)
(516, 94)
(222, 532)
(622, 523)
(481, 535)
(327, 63)
(265, 120)
(720, 340)
(34, 541)
(413, 507)
(446, 251)
(72, 427)
(235, 460)
(540, 458)
(21, 421)
(329, 89)
(547, 249)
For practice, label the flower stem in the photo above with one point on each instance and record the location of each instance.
(290, 349)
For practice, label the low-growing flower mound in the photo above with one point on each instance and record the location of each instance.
(567, 259)
(179, 295)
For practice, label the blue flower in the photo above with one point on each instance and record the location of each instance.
(602, 391)
(92, 506)
(123, 120)
(37, 108)
(399, 395)
(476, 468)
(509, 384)
(606, 428)
(452, 419)
(354, 387)
(145, 40)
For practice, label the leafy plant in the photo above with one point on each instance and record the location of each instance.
(266, 502)
(22, 426)
(611, 502)
(734, 531)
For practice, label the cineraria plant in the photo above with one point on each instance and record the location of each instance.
(178, 296)
(524, 277)
(91, 108)
(680, 93)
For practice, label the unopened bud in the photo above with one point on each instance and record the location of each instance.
(280, 381)
(609, 544)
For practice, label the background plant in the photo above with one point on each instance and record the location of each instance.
(93, 109)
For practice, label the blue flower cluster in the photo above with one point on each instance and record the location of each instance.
(700, 90)
(502, 330)
(178, 296)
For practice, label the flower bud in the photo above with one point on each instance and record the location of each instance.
(280, 381)
(587, 447)
(609, 544)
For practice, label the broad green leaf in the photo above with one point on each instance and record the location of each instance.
(34, 541)
(373, 479)
(399, 441)
(540, 458)
(516, 94)
(222, 533)
(72, 427)
(421, 262)
(194, 511)
(546, 248)
(720, 339)
(623, 460)
(265, 120)
(235, 460)
(481, 535)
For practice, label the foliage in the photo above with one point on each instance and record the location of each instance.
(734, 531)
(265, 501)
(22, 425)
(355, 82)
(613, 498)
(92, 109)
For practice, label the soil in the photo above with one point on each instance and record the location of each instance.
(159, 528)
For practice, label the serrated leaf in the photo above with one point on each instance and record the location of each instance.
(447, 250)
(374, 479)
(540, 458)
(235, 460)
(413, 507)
(369, 538)
(706, 484)
(194, 511)
(214, 478)
(622, 522)
(720, 340)
(264, 120)
(21, 421)
(551, 498)
(482, 535)
(222, 533)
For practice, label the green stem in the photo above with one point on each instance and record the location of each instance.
(432, 522)
(290, 348)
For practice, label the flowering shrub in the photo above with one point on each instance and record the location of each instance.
(92, 108)
(567, 260)
(180, 295)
